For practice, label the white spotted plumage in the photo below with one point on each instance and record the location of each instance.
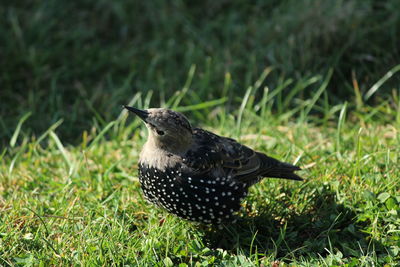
(196, 174)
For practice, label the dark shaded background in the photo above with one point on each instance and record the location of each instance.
(80, 60)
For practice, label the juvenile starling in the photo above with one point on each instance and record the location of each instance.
(198, 175)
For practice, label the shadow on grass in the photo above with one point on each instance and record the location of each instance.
(322, 225)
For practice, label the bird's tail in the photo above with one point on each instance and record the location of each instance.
(285, 171)
(278, 169)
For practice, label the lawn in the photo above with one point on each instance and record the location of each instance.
(69, 191)
(81, 204)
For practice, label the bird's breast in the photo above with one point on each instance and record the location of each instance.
(188, 195)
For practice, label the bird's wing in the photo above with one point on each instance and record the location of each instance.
(211, 151)
(218, 155)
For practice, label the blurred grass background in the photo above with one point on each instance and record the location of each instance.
(81, 60)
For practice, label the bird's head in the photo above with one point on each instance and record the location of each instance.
(168, 129)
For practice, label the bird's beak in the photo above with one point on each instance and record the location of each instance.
(143, 114)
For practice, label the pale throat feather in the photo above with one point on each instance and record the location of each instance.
(156, 157)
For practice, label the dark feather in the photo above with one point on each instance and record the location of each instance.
(224, 156)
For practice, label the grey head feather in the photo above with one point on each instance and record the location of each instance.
(170, 136)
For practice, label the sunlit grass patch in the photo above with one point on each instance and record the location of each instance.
(82, 204)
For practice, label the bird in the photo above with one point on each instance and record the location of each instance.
(198, 175)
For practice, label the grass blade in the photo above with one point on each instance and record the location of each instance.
(47, 132)
(241, 110)
(101, 134)
(203, 105)
(62, 150)
(18, 129)
(381, 81)
(342, 118)
(318, 93)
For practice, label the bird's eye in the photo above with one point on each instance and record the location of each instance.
(160, 132)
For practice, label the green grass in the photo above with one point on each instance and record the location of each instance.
(82, 204)
(312, 82)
